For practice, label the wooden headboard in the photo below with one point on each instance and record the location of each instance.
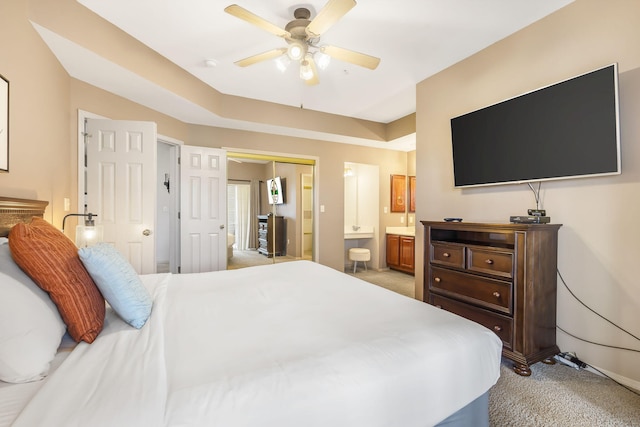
(13, 211)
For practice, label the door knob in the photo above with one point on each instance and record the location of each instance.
(146, 232)
(222, 226)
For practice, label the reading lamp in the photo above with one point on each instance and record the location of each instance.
(87, 234)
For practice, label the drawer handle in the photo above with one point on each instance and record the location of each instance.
(489, 261)
(497, 328)
(496, 294)
(446, 254)
(437, 279)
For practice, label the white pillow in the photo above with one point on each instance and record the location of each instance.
(118, 282)
(30, 326)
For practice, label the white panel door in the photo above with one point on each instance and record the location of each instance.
(121, 187)
(203, 211)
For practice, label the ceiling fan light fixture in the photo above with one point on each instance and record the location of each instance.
(297, 50)
(322, 59)
(302, 35)
(282, 62)
(306, 71)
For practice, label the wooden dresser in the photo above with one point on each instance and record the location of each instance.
(502, 276)
(272, 234)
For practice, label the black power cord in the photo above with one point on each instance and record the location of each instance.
(536, 193)
(595, 343)
(593, 311)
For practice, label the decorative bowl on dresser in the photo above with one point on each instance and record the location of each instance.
(502, 276)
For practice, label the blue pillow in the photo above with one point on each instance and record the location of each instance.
(118, 282)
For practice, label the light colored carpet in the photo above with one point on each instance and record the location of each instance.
(396, 281)
(558, 395)
(242, 259)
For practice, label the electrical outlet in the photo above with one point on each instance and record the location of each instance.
(67, 204)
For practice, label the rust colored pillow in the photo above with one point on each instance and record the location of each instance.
(52, 261)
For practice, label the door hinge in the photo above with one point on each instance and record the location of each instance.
(178, 269)
(178, 215)
(178, 160)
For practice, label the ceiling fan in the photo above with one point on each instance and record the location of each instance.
(303, 35)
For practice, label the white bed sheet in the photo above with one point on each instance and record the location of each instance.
(14, 397)
(290, 344)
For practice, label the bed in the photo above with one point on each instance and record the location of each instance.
(289, 344)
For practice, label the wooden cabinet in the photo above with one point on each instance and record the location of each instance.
(502, 276)
(272, 235)
(398, 193)
(412, 194)
(401, 253)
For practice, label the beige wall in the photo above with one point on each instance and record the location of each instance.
(598, 242)
(40, 163)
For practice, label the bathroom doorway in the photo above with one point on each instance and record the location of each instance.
(361, 210)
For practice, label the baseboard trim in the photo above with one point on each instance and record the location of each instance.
(631, 383)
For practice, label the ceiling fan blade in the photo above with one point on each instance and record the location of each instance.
(251, 18)
(357, 58)
(329, 15)
(313, 80)
(264, 56)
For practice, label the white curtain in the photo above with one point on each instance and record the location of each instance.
(254, 209)
(243, 216)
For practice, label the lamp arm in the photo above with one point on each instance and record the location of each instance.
(89, 215)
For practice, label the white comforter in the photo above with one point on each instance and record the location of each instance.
(292, 344)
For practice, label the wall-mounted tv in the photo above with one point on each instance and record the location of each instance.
(275, 191)
(565, 130)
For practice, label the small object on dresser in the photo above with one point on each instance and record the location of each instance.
(453, 219)
(537, 212)
(530, 219)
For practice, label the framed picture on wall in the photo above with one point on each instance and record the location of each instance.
(4, 124)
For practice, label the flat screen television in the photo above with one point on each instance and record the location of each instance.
(566, 130)
(275, 190)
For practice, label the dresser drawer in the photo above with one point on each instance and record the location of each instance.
(489, 293)
(497, 263)
(450, 255)
(501, 325)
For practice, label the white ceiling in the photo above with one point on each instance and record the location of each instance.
(414, 39)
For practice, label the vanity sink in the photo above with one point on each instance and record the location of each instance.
(401, 231)
(362, 232)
